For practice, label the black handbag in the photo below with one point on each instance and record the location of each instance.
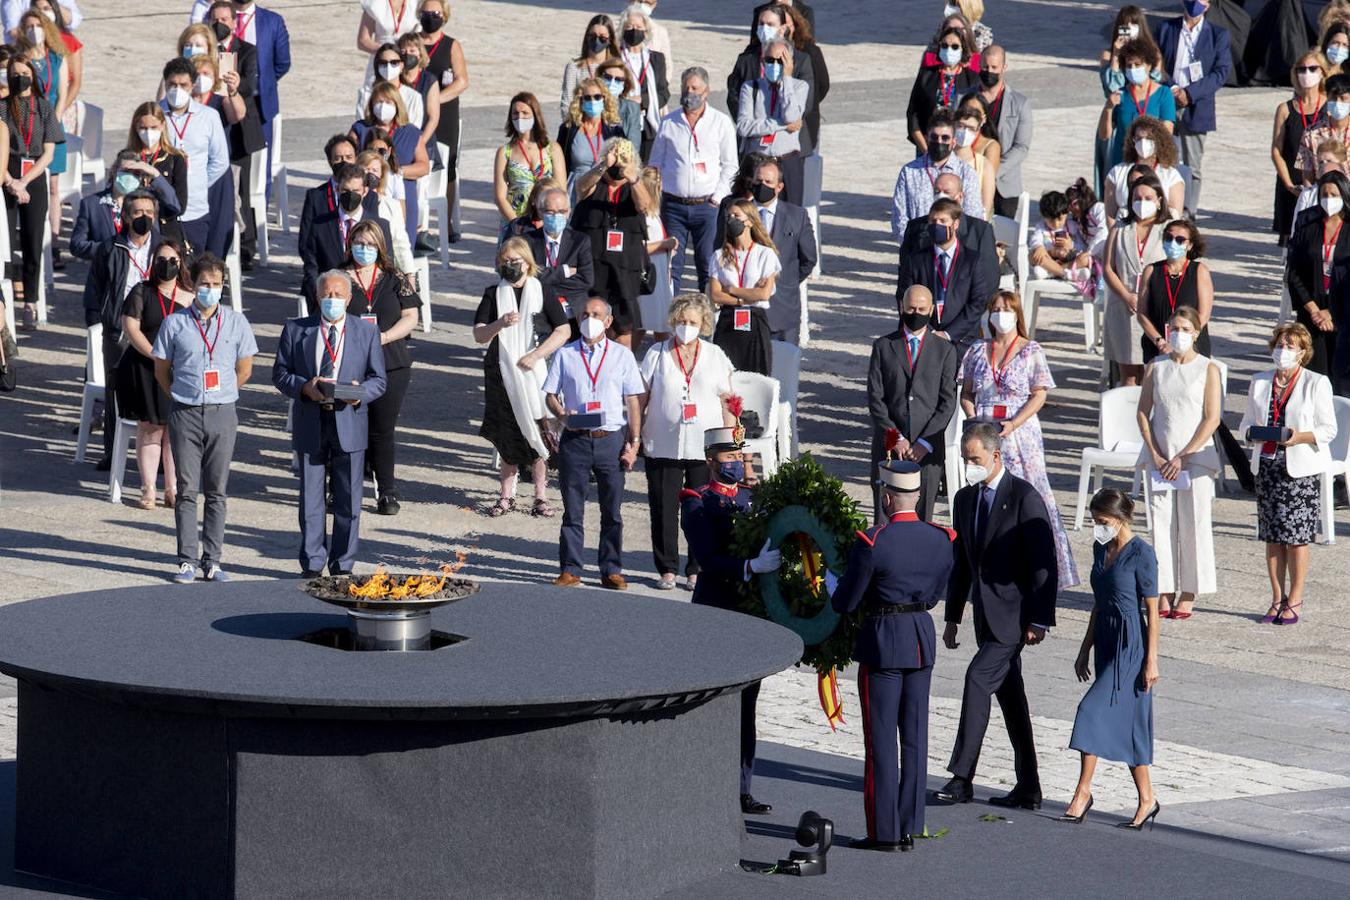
(8, 350)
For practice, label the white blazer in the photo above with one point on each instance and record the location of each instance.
(1309, 409)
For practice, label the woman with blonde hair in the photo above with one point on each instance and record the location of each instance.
(514, 416)
(385, 110)
(614, 75)
(148, 138)
(741, 278)
(688, 379)
(592, 119)
(389, 188)
(198, 40)
(654, 308)
(1294, 118)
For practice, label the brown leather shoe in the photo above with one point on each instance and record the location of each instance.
(567, 579)
(614, 582)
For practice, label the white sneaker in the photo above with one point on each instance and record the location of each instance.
(187, 573)
(216, 574)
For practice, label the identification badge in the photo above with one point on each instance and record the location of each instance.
(211, 380)
(766, 140)
(26, 166)
(701, 168)
(614, 241)
(567, 307)
(369, 318)
(1000, 412)
(740, 319)
(592, 406)
(447, 77)
(1195, 72)
(690, 414)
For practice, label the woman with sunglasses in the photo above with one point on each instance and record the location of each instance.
(1293, 119)
(590, 120)
(1180, 280)
(942, 86)
(614, 76)
(770, 113)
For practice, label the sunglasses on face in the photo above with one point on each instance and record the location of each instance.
(391, 62)
(1308, 69)
(1176, 239)
(951, 47)
(592, 96)
(939, 139)
(776, 59)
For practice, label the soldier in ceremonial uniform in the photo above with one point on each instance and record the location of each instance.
(706, 516)
(897, 571)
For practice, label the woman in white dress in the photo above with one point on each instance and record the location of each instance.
(654, 308)
(741, 279)
(382, 22)
(1179, 410)
(1135, 244)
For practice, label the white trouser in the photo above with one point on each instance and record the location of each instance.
(1183, 536)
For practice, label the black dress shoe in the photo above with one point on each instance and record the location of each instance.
(958, 790)
(387, 506)
(882, 846)
(1018, 799)
(751, 806)
(311, 573)
(906, 843)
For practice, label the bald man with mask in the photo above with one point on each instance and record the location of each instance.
(975, 235)
(1010, 116)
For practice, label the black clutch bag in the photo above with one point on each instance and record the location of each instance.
(1260, 434)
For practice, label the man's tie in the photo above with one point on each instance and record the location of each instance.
(552, 253)
(326, 367)
(982, 509)
(913, 350)
(766, 216)
(943, 261)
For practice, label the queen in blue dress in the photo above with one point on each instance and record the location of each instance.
(1115, 717)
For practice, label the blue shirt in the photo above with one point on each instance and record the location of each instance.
(199, 134)
(616, 377)
(180, 342)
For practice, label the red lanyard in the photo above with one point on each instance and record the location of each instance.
(46, 64)
(116, 219)
(1140, 245)
(585, 361)
(1138, 107)
(599, 140)
(431, 51)
(165, 307)
(332, 203)
(1279, 400)
(946, 279)
(1316, 109)
(331, 349)
(537, 170)
(996, 106)
(26, 131)
(1328, 250)
(241, 24)
(152, 159)
(368, 288)
(913, 356)
(692, 133)
(641, 73)
(1167, 283)
(179, 131)
(210, 345)
(398, 19)
(688, 374)
(144, 270)
(1000, 372)
(948, 88)
(741, 265)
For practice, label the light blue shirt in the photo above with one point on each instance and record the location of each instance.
(208, 152)
(616, 377)
(914, 191)
(180, 342)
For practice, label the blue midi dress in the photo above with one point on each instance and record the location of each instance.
(1115, 716)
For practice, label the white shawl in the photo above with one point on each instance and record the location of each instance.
(524, 388)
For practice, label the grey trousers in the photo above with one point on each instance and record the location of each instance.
(202, 438)
(1191, 150)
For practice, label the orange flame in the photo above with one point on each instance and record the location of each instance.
(381, 587)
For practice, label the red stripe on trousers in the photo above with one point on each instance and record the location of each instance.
(869, 790)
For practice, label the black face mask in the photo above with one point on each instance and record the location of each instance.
(512, 271)
(940, 233)
(166, 268)
(735, 228)
(140, 225)
(915, 321)
(410, 61)
(989, 79)
(350, 200)
(20, 83)
(938, 152)
(431, 21)
(615, 172)
(597, 44)
(634, 36)
(372, 180)
(762, 193)
(222, 31)
(334, 166)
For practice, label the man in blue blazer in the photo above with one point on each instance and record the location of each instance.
(790, 229)
(266, 31)
(316, 357)
(1196, 58)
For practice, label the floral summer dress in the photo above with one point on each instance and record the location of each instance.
(521, 178)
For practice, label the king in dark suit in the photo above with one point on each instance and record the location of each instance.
(956, 279)
(911, 394)
(1006, 568)
(790, 230)
(314, 356)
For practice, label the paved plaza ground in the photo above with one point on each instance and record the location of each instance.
(1251, 721)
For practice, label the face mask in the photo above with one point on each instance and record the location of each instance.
(762, 193)
(1336, 54)
(1144, 147)
(431, 21)
(615, 173)
(916, 321)
(938, 152)
(1309, 79)
(49, 15)
(222, 31)
(645, 7)
(554, 223)
(140, 226)
(1338, 109)
(773, 72)
(591, 328)
(766, 33)
(735, 228)
(191, 50)
(364, 254)
(949, 56)
(1332, 205)
(1173, 250)
(523, 125)
(1285, 358)
(1105, 534)
(149, 136)
(166, 268)
(204, 84)
(975, 474)
(126, 182)
(332, 308)
(731, 472)
(686, 333)
(596, 44)
(691, 102)
(1182, 342)
(411, 62)
(592, 108)
(177, 97)
(512, 271)
(940, 233)
(990, 79)
(634, 36)
(207, 297)
(372, 181)
(1002, 321)
(36, 36)
(949, 10)
(965, 137)
(350, 201)
(384, 111)
(389, 71)
(1194, 8)
(1144, 209)
(1137, 75)
(615, 87)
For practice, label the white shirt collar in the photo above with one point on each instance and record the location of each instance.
(993, 485)
(915, 334)
(1192, 29)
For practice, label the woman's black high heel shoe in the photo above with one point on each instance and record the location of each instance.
(1078, 819)
(1147, 820)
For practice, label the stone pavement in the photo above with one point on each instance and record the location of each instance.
(1251, 721)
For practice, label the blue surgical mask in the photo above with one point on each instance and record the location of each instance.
(1338, 109)
(332, 308)
(364, 254)
(190, 51)
(614, 85)
(773, 72)
(1137, 75)
(1338, 54)
(731, 471)
(207, 297)
(1173, 249)
(766, 33)
(554, 223)
(950, 56)
(126, 182)
(1194, 8)
(592, 108)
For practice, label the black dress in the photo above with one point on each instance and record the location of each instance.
(932, 91)
(1296, 125)
(139, 396)
(619, 258)
(388, 296)
(447, 129)
(1158, 305)
(1304, 276)
(499, 421)
(173, 166)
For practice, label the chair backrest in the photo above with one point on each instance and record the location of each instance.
(813, 169)
(1185, 172)
(93, 354)
(1117, 421)
(787, 365)
(73, 177)
(1005, 230)
(258, 177)
(91, 129)
(276, 145)
(1340, 444)
(1223, 376)
(759, 393)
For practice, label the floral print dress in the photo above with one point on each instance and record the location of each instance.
(1023, 450)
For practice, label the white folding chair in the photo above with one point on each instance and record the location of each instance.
(436, 206)
(1021, 261)
(813, 182)
(89, 119)
(1119, 443)
(70, 183)
(1005, 232)
(760, 394)
(124, 435)
(234, 273)
(423, 270)
(787, 366)
(1340, 467)
(280, 191)
(459, 145)
(804, 321)
(257, 199)
(952, 463)
(95, 390)
(1286, 304)
(1033, 288)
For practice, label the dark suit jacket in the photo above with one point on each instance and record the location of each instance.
(94, 223)
(1212, 51)
(247, 136)
(574, 252)
(965, 296)
(319, 213)
(296, 363)
(796, 242)
(975, 236)
(1303, 267)
(105, 285)
(918, 404)
(1015, 574)
(274, 60)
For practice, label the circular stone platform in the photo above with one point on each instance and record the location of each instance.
(185, 740)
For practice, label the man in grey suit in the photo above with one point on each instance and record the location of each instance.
(318, 358)
(1010, 114)
(911, 393)
(790, 230)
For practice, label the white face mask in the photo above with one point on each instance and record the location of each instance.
(964, 137)
(1182, 342)
(1309, 79)
(1332, 205)
(384, 111)
(149, 136)
(1105, 534)
(204, 84)
(686, 333)
(389, 71)
(177, 97)
(523, 126)
(1286, 358)
(591, 328)
(1144, 147)
(975, 474)
(1144, 209)
(1002, 321)
(950, 10)
(36, 35)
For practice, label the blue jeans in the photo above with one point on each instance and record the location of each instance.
(578, 455)
(683, 223)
